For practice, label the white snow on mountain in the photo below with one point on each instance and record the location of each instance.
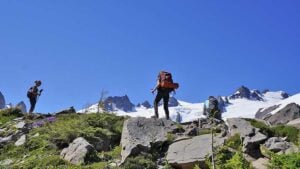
(285, 102)
(240, 107)
(247, 108)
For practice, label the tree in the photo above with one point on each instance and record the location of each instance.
(101, 102)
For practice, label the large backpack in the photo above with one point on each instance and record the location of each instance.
(30, 93)
(166, 80)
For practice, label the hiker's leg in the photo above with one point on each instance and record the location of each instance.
(32, 105)
(166, 105)
(156, 102)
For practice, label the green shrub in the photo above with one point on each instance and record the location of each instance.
(237, 162)
(234, 142)
(290, 132)
(265, 129)
(43, 151)
(291, 161)
(7, 115)
(222, 155)
(204, 131)
(140, 162)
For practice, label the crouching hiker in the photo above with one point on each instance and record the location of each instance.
(211, 108)
(33, 93)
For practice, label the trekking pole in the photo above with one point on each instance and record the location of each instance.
(38, 96)
(212, 141)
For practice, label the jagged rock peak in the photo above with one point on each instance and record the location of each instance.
(119, 102)
(22, 106)
(145, 104)
(244, 92)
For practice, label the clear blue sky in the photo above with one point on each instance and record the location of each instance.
(78, 48)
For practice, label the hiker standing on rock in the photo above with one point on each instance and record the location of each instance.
(164, 87)
(33, 93)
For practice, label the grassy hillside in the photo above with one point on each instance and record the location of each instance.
(46, 141)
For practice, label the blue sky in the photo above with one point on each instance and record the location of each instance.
(78, 48)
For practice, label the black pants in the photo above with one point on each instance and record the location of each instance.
(161, 94)
(32, 104)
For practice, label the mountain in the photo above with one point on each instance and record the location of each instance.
(243, 103)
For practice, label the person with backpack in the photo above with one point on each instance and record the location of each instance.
(33, 93)
(211, 108)
(164, 87)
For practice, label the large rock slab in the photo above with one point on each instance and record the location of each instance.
(250, 136)
(79, 152)
(285, 115)
(185, 154)
(140, 134)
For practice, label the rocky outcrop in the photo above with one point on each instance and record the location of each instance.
(244, 92)
(79, 152)
(71, 110)
(285, 115)
(173, 102)
(285, 95)
(141, 134)
(277, 144)
(145, 104)
(122, 103)
(22, 107)
(2, 101)
(185, 154)
(251, 137)
(295, 123)
(265, 113)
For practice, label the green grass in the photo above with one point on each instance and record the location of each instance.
(292, 133)
(44, 151)
(234, 142)
(7, 115)
(283, 161)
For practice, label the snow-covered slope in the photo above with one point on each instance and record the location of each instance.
(285, 102)
(240, 107)
(247, 108)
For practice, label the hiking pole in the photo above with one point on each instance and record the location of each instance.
(212, 141)
(38, 96)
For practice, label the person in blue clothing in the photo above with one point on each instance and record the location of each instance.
(33, 93)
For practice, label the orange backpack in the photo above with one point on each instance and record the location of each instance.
(166, 80)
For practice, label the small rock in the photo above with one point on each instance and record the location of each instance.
(21, 141)
(79, 152)
(20, 125)
(6, 139)
(36, 135)
(261, 163)
(6, 162)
